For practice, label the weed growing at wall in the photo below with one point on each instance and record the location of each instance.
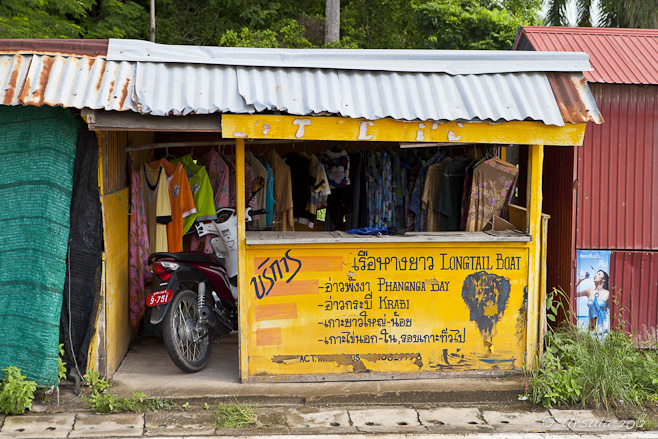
(16, 393)
(585, 370)
(235, 415)
(101, 400)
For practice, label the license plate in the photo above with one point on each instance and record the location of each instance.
(159, 297)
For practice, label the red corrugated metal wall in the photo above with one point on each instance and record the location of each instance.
(617, 199)
(559, 199)
(634, 285)
(618, 171)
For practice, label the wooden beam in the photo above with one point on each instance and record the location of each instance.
(100, 120)
(260, 126)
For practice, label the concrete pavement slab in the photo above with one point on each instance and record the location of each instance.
(386, 417)
(530, 422)
(588, 421)
(166, 423)
(313, 417)
(447, 419)
(122, 424)
(271, 417)
(319, 420)
(38, 426)
(398, 420)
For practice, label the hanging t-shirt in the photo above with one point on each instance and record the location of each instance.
(337, 167)
(283, 217)
(301, 195)
(491, 190)
(450, 196)
(182, 201)
(269, 193)
(218, 174)
(259, 222)
(430, 197)
(158, 206)
(201, 192)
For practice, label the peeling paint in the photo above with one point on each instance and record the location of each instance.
(239, 134)
(452, 137)
(356, 362)
(522, 320)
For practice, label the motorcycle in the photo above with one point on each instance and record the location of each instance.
(196, 296)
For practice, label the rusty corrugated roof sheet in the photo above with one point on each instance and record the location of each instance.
(91, 48)
(574, 98)
(622, 56)
(67, 81)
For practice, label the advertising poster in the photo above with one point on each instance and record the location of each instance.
(593, 291)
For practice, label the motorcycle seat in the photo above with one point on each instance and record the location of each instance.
(198, 257)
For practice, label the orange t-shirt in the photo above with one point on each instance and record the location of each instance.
(182, 201)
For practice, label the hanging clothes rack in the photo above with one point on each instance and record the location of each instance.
(200, 143)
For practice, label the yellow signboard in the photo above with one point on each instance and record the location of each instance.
(390, 130)
(385, 309)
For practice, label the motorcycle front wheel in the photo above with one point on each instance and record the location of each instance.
(181, 336)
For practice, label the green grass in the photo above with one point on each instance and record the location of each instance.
(101, 400)
(235, 415)
(579, 369)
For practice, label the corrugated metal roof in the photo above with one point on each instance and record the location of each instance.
(160, 88)
(401, 95)
(454, 62)
(76, 82)
(625, 56)
(163, 89)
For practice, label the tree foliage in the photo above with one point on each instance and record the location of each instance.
(73, 19)
(469, 24)
(371, 24)
(611, 13)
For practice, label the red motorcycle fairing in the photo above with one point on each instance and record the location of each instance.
(220, 281)
(188, 271)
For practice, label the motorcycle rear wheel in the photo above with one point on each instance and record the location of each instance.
(180, 330)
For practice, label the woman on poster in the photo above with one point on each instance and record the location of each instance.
(598, 302)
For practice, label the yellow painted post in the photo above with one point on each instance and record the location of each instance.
(533, 205)
(243, 302)
(542, 284)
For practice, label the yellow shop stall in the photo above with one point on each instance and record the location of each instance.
(374, 298)
(331, 305)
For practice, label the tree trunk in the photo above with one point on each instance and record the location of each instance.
(152, 21)
(332, 21)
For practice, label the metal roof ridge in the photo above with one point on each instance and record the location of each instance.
(456, 62)
(592, 30)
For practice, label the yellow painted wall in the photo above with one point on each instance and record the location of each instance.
(117, 324)
(384, 308)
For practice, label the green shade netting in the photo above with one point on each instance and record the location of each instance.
(37, 152)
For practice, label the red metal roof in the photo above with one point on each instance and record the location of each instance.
(92, 48)
(622, 56)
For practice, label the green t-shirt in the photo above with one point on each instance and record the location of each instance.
(201, 192)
